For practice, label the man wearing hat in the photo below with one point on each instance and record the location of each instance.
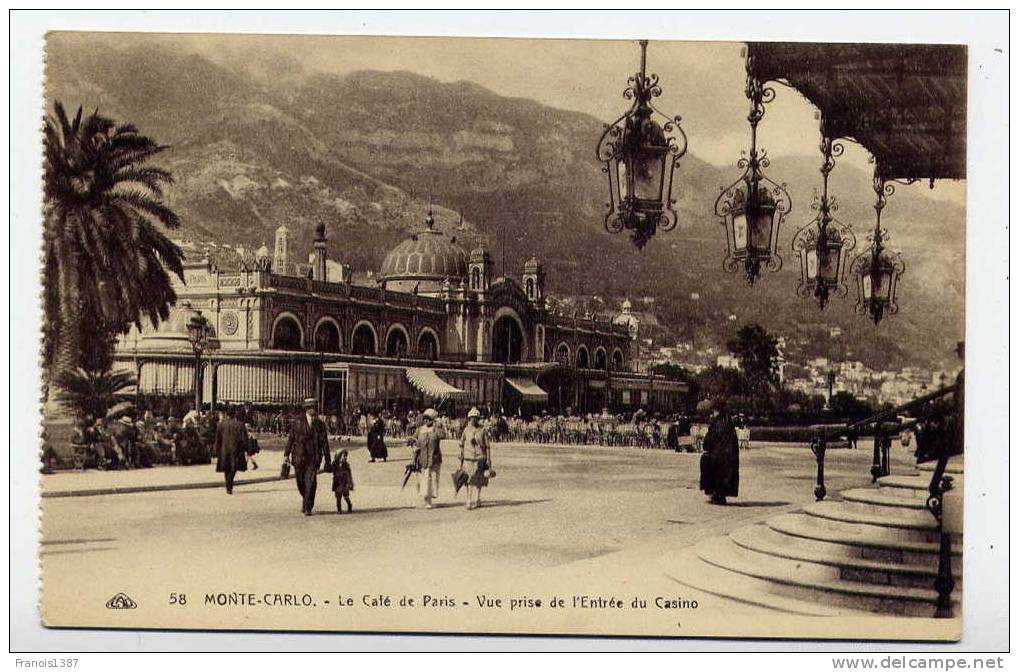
(428, 456)
(307, 447)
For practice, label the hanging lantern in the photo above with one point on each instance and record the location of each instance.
(640, 156)
(877, 270)
(825, 242)
(751, 209)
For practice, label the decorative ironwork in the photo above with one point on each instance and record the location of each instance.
(825, 242)
(751, 208)
(877, 270)
(819, 446)
(944, 584)
(640, 156)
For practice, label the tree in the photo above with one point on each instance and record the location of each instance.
(757, 352)
(92, 392)
(106, 259)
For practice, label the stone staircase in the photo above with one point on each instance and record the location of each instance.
(873, 551)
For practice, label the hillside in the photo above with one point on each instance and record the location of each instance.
(257, 143)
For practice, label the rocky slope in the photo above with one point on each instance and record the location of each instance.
(260, 142)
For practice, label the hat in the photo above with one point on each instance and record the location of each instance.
(311, 403)
(431, 413)
(474, 413)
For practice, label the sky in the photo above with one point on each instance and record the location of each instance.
(702, 82)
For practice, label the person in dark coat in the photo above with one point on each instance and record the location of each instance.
(307, 447)
(720, 461)
(376, 440)
(343, 481)
(231, 445)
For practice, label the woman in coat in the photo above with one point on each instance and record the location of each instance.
(376, 440)
(475, 457)
(720, 461)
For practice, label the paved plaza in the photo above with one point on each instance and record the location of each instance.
(554, 518)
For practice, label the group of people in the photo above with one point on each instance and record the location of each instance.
(121, 442)
(307, 453)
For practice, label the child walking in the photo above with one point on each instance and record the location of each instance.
(343, 481)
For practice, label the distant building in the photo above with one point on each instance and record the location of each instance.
(728, 362)
(433, 327)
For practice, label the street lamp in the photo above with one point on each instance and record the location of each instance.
(877, 270)
(752, 208)
(824, 243)
(639, 156)
(199, 334)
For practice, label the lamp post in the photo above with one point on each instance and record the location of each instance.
(199, 332)
(639, 156)
(831, 386)
(824, 242)
(751, 209)
(877, 270)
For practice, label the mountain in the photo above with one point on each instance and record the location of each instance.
(258, 140)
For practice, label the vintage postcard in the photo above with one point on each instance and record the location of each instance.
(525, 336)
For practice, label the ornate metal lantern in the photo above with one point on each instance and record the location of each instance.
(640, 156)
(752, 208)
(877, 270)
(825, 242)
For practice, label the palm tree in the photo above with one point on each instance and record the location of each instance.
(92, 392)
(106, 259)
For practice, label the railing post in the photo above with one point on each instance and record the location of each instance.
(945, 582)
(875, 468)
(818, 446)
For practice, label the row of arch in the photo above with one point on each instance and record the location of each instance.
(288, 334)
(583, 359)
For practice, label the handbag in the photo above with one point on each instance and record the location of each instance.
(460, 479)
(285, 469)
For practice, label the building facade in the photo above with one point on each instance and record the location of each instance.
(436, 328)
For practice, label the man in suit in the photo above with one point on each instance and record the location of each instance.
(307, 446)
(231, 447)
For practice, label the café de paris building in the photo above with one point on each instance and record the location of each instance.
(435, 328)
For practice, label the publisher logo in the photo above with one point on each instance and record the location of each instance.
(121, 601)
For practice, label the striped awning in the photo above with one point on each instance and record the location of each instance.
(528, 390)
(429, 384)
(265, 382)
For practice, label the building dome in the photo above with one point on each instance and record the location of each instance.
(424, 261)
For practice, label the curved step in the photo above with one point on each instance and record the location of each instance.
(896, 516)
(812, 581)
(847, 559)
(898, 527)
(910, 486)
(872, 543)
(877, 498)
(687, 569)
(955, 466)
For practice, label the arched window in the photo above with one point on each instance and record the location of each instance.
(428, 347)
(562, 353)
(286, 334)
(363, 340)
(530, 288)
(507, 341)
(583, 358)
(327, 337)
(617, 360)
(396, 343)
(601, 360)
(475, 278)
